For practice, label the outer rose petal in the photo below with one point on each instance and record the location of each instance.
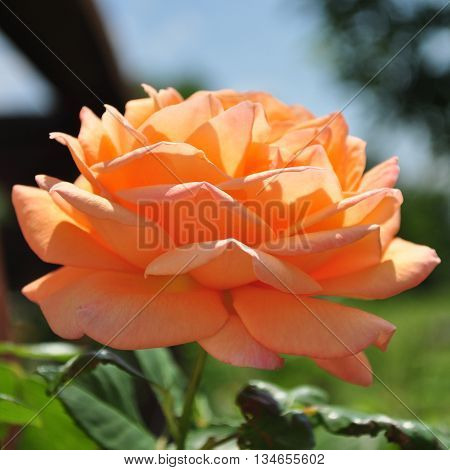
(372, 207)
(176, 123)
(78, 157)
(317, 242)
(233, 344)
(335, 123)
(137, 111)
(123, 231)
(334, 252)
(404, 266)
(121, 131)
(126, 311)
(95, 142)
(161, 163)
(274, 108)
(390, 229)
(383, 175)
(55, 237)
(352, 257)
(290, 324)
(225, 264)
(354, 162)
(354, 369)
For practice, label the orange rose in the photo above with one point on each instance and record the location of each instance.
(217, 219)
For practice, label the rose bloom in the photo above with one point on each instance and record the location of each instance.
(249, 288)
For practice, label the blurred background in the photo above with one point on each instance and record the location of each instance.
(315, 52)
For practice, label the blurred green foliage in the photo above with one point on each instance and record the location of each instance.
(361, 37)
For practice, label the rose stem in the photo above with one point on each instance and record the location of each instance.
(196, 376)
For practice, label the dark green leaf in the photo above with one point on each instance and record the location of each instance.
(211, 437)
(268, 412)
(261, 398)
(407, 434)
(168, 381)
(269, 395)
(267, 426)
(159, 367)
(102, 401)
(277, 432)
(57, 376)
(306, 395)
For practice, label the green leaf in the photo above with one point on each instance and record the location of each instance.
(306, 395)
(271, 420)
(161, 370)
(9, 378)
(159, 367)
(60, 430)
(102, 400)
(51, 351)
(267, 426)
(13, 411)
(286, 400)
(290, 431)
(56, 376)
(407, 434)
(212, 437)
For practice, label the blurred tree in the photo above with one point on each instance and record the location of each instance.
(364, 35)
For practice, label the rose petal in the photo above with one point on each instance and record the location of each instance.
(137, 111)
(57, 238)
(274, 108)
(354, 163)
(362, 253)
(127, 234)
(161, 163)
(93, 138)
(177, 122)
(125, 311)
(78, 156)
(404, 266)
(354, 369)
(233, 344)
(372, 207)
(226, 138)
(284, 197)
(225, 264)
(383, 175)
(285, 323)
(317, 242)
(122, 132)
(336, 125)
(199, 211)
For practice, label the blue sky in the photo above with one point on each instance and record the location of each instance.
(271, 45)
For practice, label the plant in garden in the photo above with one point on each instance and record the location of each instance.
(106, 400)
(217, 219)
